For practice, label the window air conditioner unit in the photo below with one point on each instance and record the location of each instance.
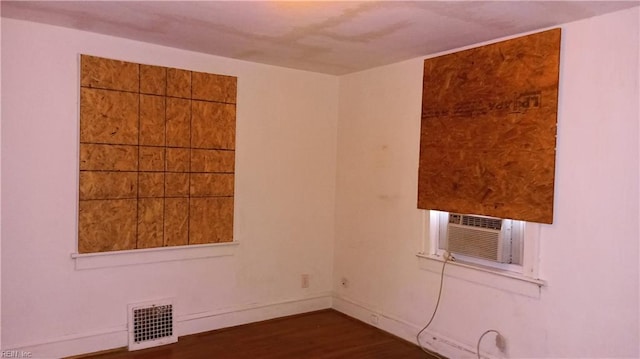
(480, 237)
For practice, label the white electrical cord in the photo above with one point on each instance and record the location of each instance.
(435, 310)
(483, 334)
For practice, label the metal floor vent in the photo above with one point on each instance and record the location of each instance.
(151, 324)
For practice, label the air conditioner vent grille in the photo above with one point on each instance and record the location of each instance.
(476, 221)
(475, 243)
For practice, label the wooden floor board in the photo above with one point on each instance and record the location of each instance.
(324, 334)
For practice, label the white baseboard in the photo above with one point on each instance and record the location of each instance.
(433, 341)
(116, 337)
(187, 324)
(203, 322)
(74, 344)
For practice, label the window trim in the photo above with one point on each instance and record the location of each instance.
(505, 281)
(530, 258)
(153, 255)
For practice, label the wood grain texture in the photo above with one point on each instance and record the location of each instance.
(178, 122)
(150, 223)
(176, 185)
(151, 184)
(138, 129)
(108, 185)
(211, 184)
(212, 161)
(508, 132)
(176, 230)
(178, 159)
(178, 83)
(98, 72)
(108, 117)
(488, 132)
(210, 220)
(151, 158)
(107, 225)
(153, 80)
(489, 188)
(108, 157)
(213, 125)
(325, 334)
(212, 87)
(152, 120)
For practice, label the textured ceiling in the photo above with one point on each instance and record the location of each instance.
(320, 36)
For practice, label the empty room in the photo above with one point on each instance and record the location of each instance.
(320, 179)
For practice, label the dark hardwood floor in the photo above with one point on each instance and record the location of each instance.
(323, 334)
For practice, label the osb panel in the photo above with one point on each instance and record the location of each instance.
(153, 79)
(150, 184)
(178, 83)
(488, 129)
(212, 87)
(210, 220)
(176, 229)
(137, 134)
(110, 74)
(108, 185)
(212, 161)
(176, 185)
(489, 195)
(108, 157)
(213, 125)
(107, 225)
(178, 159)
(150, 223)
(152, 120)
(178, 122)
(108, 117)
(211, 184)
(151, 158)
(507, 132)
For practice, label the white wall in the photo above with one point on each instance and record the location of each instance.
(285, 183)
(589, 256)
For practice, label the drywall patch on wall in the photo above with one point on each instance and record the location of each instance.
(157, 156)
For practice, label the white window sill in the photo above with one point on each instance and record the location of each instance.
(489, 277)
(152, 255)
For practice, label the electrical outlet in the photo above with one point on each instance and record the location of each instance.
(501, 343)
(344, 282)
(304, 281)
(374, 319)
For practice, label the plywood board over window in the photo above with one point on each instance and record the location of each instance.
(157, 156)
(488, 131)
